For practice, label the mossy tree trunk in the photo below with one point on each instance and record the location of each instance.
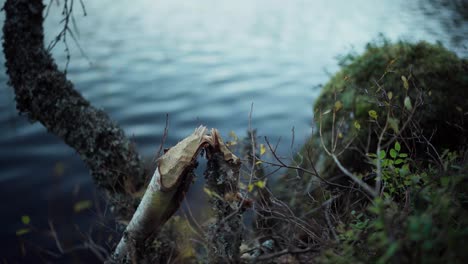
(44, 94)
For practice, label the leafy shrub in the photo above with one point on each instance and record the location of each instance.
(389, 155)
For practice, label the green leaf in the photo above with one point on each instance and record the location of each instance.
(415, 178)
(25, 219)
(399, 161)
(22, 231)
(408, 104)
(404, 170)
(82, 205)
(393, 153)
(250, 187)
(390, 95)
(382, 154)
(373, 114)
(445, 181)
(403, 155)
(397, 146)
(393, 122)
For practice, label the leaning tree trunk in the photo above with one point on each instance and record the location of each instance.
(44, 94)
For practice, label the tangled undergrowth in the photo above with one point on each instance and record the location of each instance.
(385, 176)
(384, 179)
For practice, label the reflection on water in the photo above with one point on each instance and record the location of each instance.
(203, 62)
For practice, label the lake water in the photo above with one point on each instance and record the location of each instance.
(202, 62)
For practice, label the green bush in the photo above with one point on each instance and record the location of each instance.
(413, 88)
(398, 113)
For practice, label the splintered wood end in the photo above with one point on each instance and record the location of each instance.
(180, 159)
(217, 145)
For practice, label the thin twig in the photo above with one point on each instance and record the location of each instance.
(284, 252)
(364, 185)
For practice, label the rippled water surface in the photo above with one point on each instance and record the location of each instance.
(202, 62)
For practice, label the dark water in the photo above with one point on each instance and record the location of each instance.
(203, 62)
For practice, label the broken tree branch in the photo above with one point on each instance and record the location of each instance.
(162, 198)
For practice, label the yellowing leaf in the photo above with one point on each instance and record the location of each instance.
(390, 95)
(250, 187)
(242, 186)
(25, 219)
(211, 193)
(262, 149)
(258, 162)
(340, 135)
(405, 82)
(208, 191)
(338, 106)
(22, 231)
(261, 184)
(373, 114)
(408, 104)
(357, 125)
(82, 205)
(233, 135)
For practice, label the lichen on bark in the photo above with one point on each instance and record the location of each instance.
(43, 93)
(222, 179)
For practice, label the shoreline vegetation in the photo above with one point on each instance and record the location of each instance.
(383, 179)
(386, 171)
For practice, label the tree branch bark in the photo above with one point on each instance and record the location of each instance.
(222, 181)
(44, 94)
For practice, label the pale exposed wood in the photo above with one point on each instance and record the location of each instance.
(159, 203)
